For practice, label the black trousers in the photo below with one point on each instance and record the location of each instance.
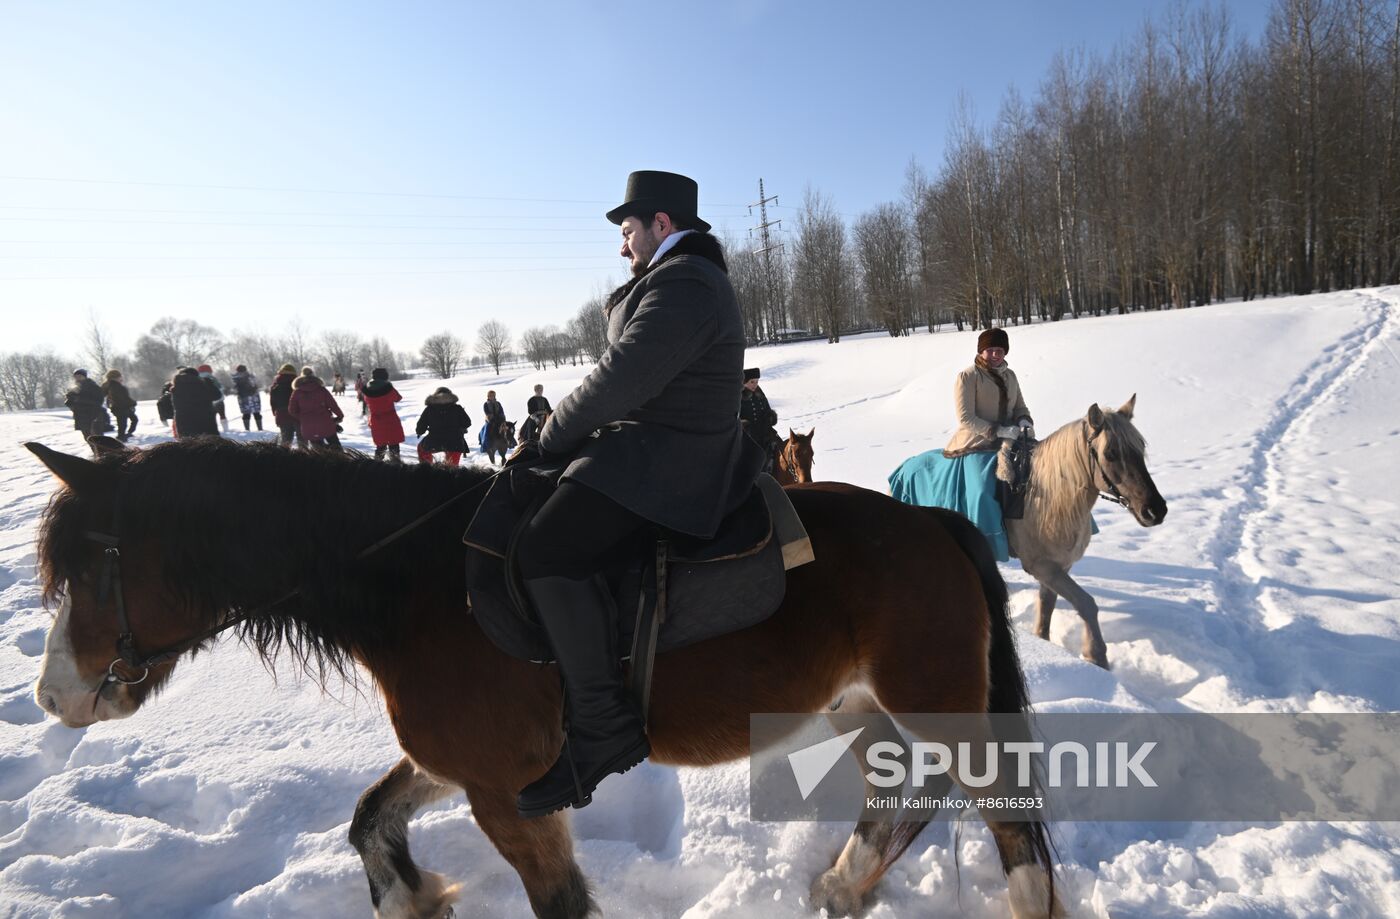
(578, 533)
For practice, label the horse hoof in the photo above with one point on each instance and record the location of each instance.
(1097, 661)
(832, 893)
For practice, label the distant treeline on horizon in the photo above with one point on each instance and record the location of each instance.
(1184, 167)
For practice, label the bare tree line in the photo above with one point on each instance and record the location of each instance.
(1183, 168)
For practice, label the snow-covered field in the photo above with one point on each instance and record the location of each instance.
(1273, 431)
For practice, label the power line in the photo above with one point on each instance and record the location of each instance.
(318, 191)
(380, 274)
(291, 258)
(162, 210)
(342, 226)
(285, 242)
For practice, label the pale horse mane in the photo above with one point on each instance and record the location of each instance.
(1060, 489)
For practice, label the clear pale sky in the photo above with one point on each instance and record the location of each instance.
(400, 168)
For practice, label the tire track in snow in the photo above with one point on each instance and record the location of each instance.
(1237, 584)
(822, 412)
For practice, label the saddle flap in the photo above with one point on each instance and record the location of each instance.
(743, 532)
(498, 515)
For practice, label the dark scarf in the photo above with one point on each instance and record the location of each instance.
(377, 387)
(1002, 398)
(701, 244)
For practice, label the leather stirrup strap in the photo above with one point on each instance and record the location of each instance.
(651, 612)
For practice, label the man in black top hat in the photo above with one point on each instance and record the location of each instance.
(668, 452)
(758, 417)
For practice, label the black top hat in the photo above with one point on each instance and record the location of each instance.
(750, 373)
(649, 192)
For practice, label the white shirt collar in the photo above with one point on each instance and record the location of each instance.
(667, 244)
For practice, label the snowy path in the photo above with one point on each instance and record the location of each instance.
(1273, 427)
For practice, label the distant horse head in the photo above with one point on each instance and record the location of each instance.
(500, 437)
(1118, 463)
(794, 460)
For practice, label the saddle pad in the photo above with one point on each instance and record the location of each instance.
(704, 597)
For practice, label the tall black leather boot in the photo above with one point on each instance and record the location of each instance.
(604, 732)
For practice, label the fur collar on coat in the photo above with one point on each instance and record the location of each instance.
(701, 244)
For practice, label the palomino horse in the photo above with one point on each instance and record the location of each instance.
(792, 464)
(143, 552)
(1099, 455)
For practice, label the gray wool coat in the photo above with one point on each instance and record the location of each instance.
(664, 399)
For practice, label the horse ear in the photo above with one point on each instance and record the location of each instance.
(1095, 417)
(792, 435)
(810, 433)
(77, 473)
(1126, 409)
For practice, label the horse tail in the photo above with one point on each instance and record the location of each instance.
(1007, 693)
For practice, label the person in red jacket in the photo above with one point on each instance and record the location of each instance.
(316, 411)
(384, 425)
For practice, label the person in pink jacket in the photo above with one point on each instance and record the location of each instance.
(384, 425)
(316, 411)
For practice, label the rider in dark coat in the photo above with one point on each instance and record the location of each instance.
(758, 416)
(120, 402)
(493, 413)
(85, 401)
(193, 397)
(664, 402)
(538, 403)
(445, 424)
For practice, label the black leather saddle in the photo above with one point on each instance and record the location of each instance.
(673, 589)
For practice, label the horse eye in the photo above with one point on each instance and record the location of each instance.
(1111, 455)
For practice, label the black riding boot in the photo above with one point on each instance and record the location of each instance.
(604, 732)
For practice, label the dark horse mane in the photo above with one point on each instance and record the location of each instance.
(239, 526)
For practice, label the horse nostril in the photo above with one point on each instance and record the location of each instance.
(48, 703)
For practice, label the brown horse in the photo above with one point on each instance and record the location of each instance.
(142, 551)
(792, 463)
(500, 439)
(1101, 454)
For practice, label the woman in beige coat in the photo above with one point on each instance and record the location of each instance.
(962, 476)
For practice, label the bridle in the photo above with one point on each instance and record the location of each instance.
(787, 458)
(1113, 494)
(110, 583)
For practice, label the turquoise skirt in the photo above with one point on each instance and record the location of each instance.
(966, 484)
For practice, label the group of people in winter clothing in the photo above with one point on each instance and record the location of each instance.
(303, 408)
